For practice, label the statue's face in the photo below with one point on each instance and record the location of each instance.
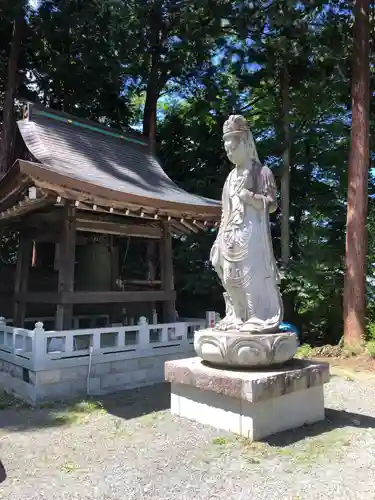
(235, 148)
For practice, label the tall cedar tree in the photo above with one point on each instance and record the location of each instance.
(356, 237)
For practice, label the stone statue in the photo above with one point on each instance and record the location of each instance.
(243, 257)
(242, 254)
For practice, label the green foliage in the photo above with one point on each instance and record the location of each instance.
(370, 346)
(75, 54)
(304, 351)
(8, 247)
(370, 330)
(353, 350)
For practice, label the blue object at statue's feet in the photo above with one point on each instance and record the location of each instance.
(288, 327)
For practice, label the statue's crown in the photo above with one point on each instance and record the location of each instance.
(236, 124)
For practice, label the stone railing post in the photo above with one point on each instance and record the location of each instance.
(39, 346)
(143, 334)
(96, 341)
(181, 331)
(2, 330)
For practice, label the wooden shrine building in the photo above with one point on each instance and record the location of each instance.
(81, 182)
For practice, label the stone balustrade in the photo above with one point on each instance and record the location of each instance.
(37, 349)
(39, 364)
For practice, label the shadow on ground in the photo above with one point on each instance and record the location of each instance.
(3, 474)
(133, 404)
(16, 416)
(335, 419)
(138, 402)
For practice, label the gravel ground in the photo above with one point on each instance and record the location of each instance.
(132, 448)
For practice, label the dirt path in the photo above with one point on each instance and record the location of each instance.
(358, 367)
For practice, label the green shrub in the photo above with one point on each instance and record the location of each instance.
(353, 350)
(371, 348)
(370, 331)
(304, 351)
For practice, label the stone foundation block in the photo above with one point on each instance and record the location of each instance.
(155, 374)
(74, 373)
(124, 365)
(99, 369)
(17, 387)
(147, 362)
(94, 386)
(60, 390)
(49, 377)
(139, 376)
(254, 404)
(116, 380)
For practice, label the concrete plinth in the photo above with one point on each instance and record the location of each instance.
(254, 404)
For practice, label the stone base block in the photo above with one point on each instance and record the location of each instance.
(236, 348)
(65, 379)
(251, 404)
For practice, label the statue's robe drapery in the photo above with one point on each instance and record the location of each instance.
(242, 253)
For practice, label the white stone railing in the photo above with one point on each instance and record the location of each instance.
(16, 344)
(39, 349)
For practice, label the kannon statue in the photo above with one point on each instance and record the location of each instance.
(242, 254)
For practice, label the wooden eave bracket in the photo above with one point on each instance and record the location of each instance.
(25, 206)
(183, 225)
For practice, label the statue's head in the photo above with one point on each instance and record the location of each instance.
(238, 140)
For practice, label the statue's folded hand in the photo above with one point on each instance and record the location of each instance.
(251, 198)
(245, 195)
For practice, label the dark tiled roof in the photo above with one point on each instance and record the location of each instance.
(87, 152)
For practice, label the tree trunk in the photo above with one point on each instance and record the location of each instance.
(154, 76)
(356, 237)
(149, 114)
(7, 135)
(285, 178)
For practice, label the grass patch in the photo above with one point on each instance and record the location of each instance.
(259, 448)
(303, 452)
(304, 351)
(62, 418)
(317, 448)
(77, 412)
(353, 350)
(151, 419)
(331, 351)
(8, 401)
(120, 428)
(370, 346)
(254, 452)
(89, 406)
(220, 441)
(68, 467)
(253, 460)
